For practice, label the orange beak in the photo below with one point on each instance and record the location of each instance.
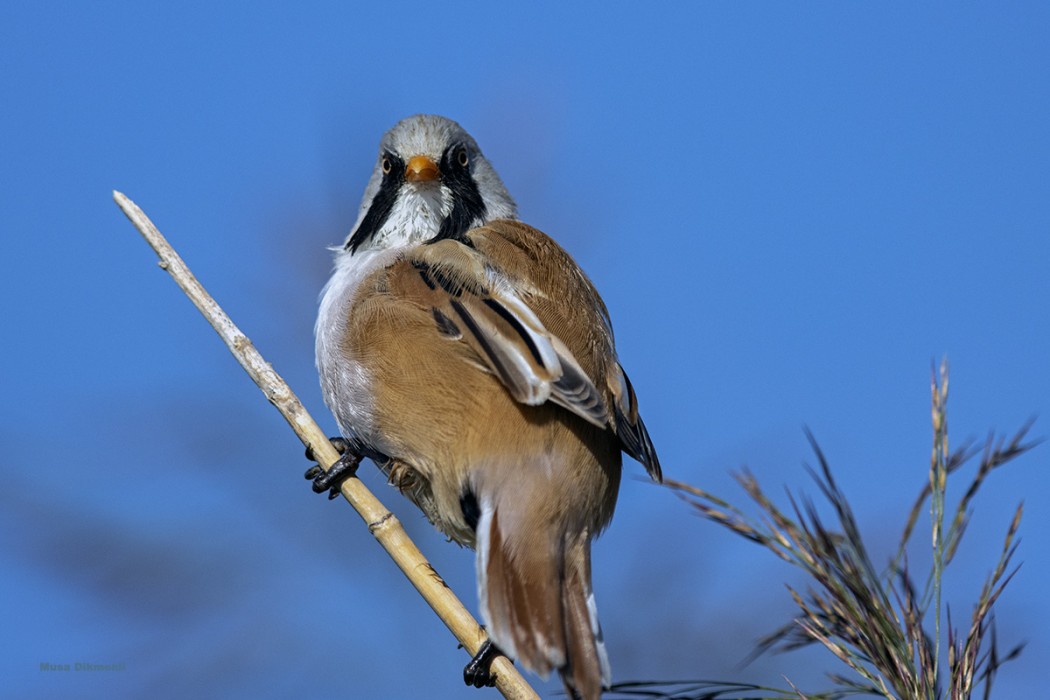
(421, 169)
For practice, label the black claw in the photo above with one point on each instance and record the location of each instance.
(478, 673)
(344, 468)
(341, 445)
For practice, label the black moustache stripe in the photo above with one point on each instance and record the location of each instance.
(382, 204)
(468, 207)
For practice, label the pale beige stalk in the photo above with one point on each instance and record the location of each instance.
(383, 525)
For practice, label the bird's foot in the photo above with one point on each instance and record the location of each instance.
(478, 672)
(344, 468)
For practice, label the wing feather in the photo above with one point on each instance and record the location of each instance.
(471, 303)
(634, 437)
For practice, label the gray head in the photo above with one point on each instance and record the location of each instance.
(430, 182)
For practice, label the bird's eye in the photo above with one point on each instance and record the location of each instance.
(463, 159)
(387, 166)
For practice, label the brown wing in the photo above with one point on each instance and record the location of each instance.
(565, 301)
(532, 318)
(473, 302)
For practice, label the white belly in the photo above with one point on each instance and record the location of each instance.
(345, 382)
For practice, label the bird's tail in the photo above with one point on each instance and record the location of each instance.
(536, 600)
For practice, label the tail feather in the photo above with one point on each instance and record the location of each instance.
(537, 602)
(518, 602)
(588, 665)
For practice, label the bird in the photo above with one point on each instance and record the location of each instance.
(469, 356)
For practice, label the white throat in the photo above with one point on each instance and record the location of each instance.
(416, 217)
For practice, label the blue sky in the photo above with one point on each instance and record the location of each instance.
(790, 210)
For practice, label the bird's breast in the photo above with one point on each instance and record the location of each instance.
(346, 381)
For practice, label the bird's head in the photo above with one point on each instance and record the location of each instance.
(430, 182)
